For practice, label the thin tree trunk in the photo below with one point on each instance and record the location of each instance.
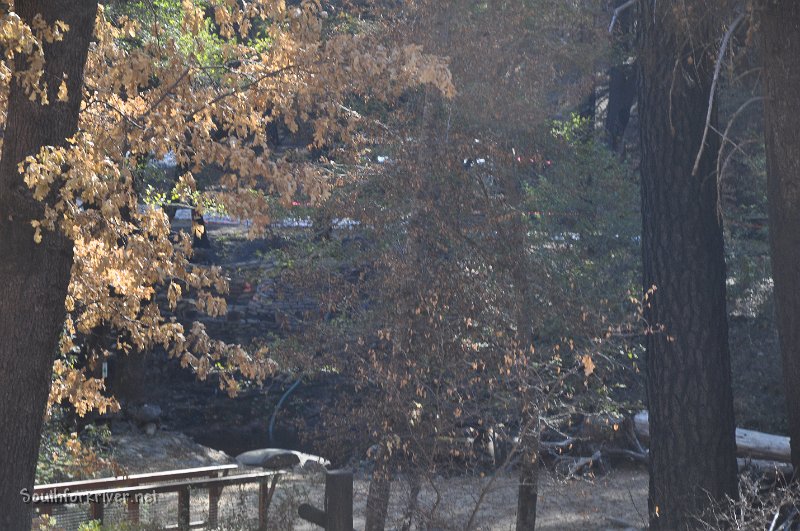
(379, 491)
(622, 79)
(621, 95)
(34, 277)
(528, 490)
(516, 261)
(781, 48)
(692, 451)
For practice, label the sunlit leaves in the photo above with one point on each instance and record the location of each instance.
(202, 81)
(18, 38)
(588, 365)
(72, 384)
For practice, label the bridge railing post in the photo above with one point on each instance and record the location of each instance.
(338, 513)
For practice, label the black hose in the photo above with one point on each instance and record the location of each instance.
(278, 407)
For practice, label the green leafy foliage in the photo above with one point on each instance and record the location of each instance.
(65, 455)
(161, 20)
(585, 228)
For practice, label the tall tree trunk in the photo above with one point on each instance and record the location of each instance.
(380, 487)
(34, 277)
(780, 30)
(692, 451)
(514, 259)
(528, 489)
(621, 79)
(621, 95)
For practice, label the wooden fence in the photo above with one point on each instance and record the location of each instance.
(131, 490)
(134, 488)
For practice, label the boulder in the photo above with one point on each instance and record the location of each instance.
(277, 458)
(145, 414)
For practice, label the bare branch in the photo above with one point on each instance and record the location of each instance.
(619, 10)
(726, 138)
(247, 86)
(166, 92)
(723, 47)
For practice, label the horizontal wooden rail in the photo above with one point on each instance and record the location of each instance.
(134, 479)
(157, 488)
(133, 489)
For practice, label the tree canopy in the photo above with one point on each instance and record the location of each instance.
(501, 278)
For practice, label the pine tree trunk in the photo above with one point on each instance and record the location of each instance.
(621, 79)
(621, 95)
(692, 450)
(34, 277)
(780, 30)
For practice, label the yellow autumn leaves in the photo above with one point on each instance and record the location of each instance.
(160, 96)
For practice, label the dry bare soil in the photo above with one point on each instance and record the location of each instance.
(612, 499)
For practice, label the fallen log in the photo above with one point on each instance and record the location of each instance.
(749, 443)
(771, 469)
(621, 523)
(579, 464)
(639, 457)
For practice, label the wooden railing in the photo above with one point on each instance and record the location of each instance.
(134, 488)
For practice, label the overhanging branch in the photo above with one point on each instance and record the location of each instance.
(723, 47)
(617, 12)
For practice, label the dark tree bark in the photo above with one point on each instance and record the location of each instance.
(528, 490)
(34, 277)
(621, 78)
(621, 95)
(692, 451)
(379, 491)
(513, 258)
(780, 31)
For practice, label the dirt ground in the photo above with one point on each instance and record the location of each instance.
(612, 499)
(617, 499)
(602, 503)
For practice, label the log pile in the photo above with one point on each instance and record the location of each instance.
(604, 438)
